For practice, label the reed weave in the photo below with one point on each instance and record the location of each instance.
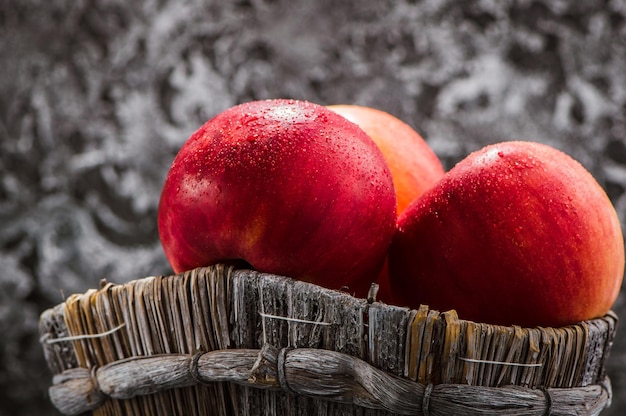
(223, 341)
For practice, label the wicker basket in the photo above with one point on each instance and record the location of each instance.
(222, 341)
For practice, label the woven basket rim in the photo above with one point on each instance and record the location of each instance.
(276, 362)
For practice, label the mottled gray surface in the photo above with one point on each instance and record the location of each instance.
(96, 96)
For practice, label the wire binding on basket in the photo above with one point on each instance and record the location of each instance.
(193, 367)
(426, 399)
(282, 378)
(473, 360)
(548, 411)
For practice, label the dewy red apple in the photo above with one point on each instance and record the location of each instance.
(414, 166)
(290, 187)
(517, 233)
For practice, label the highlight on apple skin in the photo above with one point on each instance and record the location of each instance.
(517, 233)
(414, 166)
(290, 187)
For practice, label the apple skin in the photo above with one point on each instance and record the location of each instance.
(517, 233)
(289, 187)
(414, 166)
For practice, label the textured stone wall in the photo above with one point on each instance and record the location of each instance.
(96, 96)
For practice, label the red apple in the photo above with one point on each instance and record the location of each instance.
(413, 164)
(517, 233)
(290, 187)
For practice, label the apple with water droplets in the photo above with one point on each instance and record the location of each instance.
(414, 166)
(517, 233)
(287, 186)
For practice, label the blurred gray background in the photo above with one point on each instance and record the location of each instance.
(96, 97)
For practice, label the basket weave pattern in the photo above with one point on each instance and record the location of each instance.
(222, 341)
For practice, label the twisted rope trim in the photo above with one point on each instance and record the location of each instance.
(45, 339)
(320, 374)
